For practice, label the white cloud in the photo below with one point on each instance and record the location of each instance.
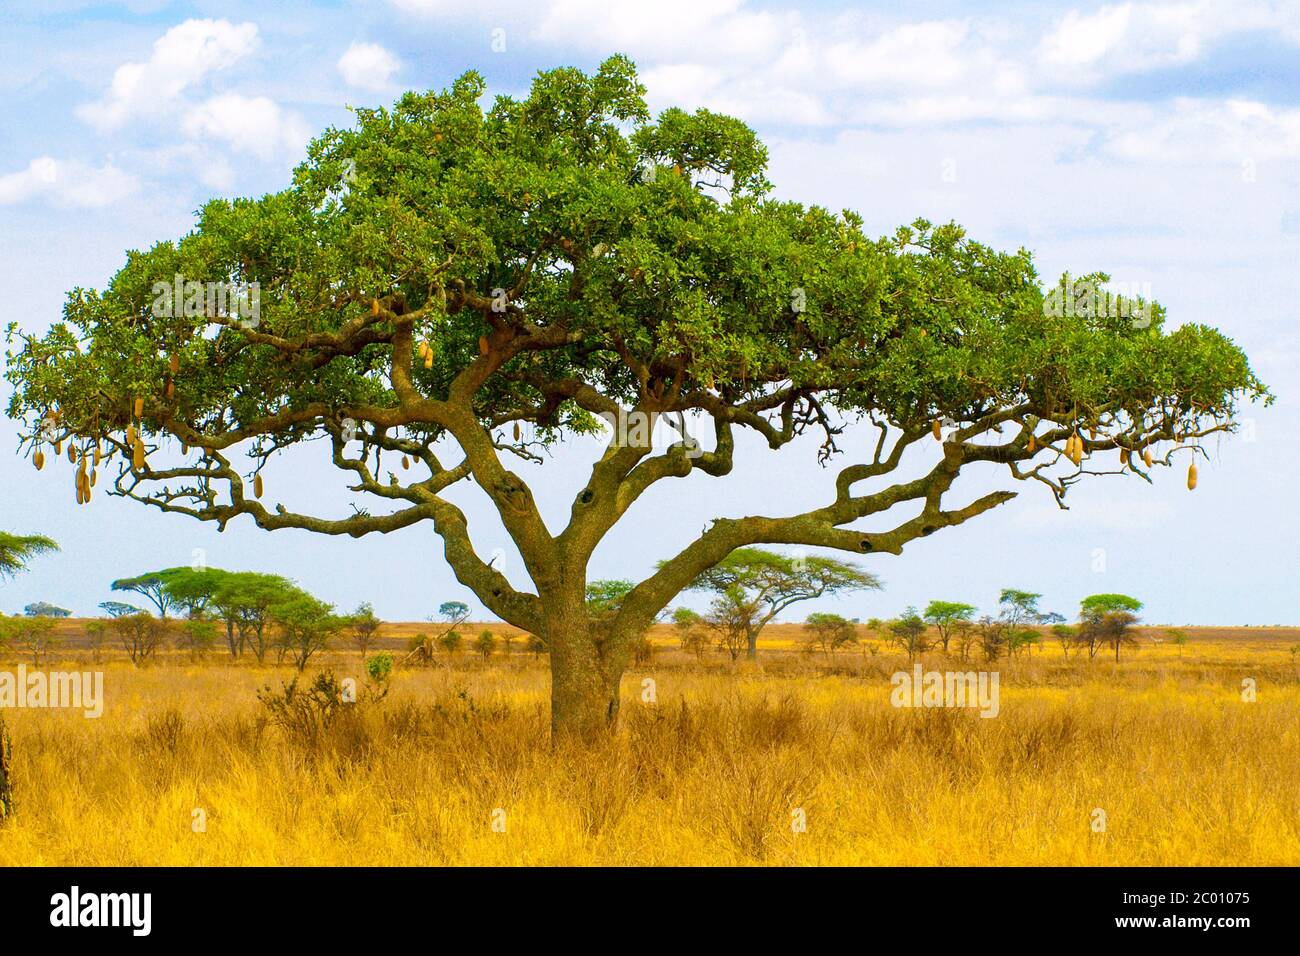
(368, 66)
(66, 183)
(255, 125)
(1083, 39)
(1135, 37)
(1211, 131)
(181, 57)
(711, 31)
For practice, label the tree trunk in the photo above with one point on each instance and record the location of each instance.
(751, 646)
(585, 676)
(584, 692)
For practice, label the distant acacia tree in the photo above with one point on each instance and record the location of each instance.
(17, 550)
(36, 635)
(1019, 611)
(191, 589)
(966, 635)
(305, 626)
(1066, 636)
(141, 635)
(364, 626)
(241, 600)
(253, 599)
(198, 635)
(830, 632)
(45, 609)
(752, 586)
(690, 628)
(152, 586)
(1178, 637)
(729, 620)
(909, 633)
(485, 644)
(119, 609)
(97, 634)
(1109, 619)
(948, 617)
(992, 633)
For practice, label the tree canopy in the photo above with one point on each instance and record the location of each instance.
(16, 550)
(447, 286)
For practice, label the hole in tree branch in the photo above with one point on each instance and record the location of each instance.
(586, 496)
(864, 544)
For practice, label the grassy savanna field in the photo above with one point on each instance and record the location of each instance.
(713, 771)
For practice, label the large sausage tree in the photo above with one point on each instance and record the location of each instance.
(451, 287)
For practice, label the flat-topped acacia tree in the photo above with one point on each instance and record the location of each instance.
(439, 276)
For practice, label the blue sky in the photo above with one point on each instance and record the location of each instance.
(1158, 141)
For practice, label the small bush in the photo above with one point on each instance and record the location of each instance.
(380, 667)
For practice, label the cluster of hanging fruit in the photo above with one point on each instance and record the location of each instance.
(86, 459)
(134, 439)
(87, 470)
(1074, 449)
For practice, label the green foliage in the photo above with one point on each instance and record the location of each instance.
(151, 585)
(948, 612)
(909, 633)
(604, 596)
(1019, 610)
(830, 632)
(690, 627)
(305, 624)
(97, 634)
(45, 609)
(485, 644)
(652, 240)
(453, 611)
(450, 269)
(35, 635)
(364, 626)
(1099, 604)
(1066, 636)
(242, 600)
(379, 667)
(684, 617)
(1108, 619)
(948, 618)
(198, 635)
(118, 608)
(16, 550)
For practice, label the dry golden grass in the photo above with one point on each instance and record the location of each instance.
(1185, 770)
